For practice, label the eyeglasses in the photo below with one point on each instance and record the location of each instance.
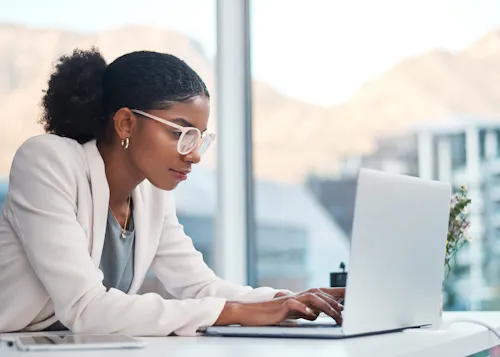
(190, 137)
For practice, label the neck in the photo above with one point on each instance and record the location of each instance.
(122, 178)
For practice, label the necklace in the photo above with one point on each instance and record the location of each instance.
(124, 228)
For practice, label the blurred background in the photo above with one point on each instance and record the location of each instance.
(409, 87)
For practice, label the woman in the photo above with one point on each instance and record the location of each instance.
(90, 210)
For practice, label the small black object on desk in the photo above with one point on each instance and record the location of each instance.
(339, 279)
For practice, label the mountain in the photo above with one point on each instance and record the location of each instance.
(292, 138)
(488, 47)
(433, 86)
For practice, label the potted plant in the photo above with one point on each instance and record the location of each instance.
(458, 226)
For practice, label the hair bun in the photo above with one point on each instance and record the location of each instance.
(73, 103)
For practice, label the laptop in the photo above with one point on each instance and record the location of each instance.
(396, 263)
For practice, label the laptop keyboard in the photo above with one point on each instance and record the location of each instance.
(310, 325)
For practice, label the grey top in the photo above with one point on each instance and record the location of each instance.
(117, 260)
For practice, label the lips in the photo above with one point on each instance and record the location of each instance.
(180, 175)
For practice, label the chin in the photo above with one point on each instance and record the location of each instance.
(165, 185)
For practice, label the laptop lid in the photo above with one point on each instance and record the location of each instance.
(397, 252)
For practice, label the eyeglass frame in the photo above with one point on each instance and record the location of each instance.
(182, 129)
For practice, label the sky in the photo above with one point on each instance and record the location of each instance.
(320, 51)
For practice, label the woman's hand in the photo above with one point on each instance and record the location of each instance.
(307, 305)
(336, 293)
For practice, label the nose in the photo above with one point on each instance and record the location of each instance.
(194, 156)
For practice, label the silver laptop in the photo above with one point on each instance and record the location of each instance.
(396, 264)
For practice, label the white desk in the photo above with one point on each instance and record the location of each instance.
(460, 339)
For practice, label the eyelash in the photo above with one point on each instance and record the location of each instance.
(177, 134)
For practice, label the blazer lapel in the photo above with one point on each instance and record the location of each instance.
(141, 262)
(100, 199)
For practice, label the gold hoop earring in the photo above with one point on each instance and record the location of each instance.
(125, 143)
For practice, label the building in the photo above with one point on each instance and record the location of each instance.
(465, 151)
(3, 191)
(338, 197)
(394, 154)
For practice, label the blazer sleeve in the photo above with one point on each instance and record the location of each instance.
(183, 272)
(42, 212)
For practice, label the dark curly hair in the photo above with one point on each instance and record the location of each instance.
(84, 92)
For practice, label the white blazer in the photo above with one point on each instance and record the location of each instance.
(51, 237)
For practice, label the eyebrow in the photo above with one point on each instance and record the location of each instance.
(184, 122)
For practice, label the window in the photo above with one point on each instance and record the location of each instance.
(334, 84)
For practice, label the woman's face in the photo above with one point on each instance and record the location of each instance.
(153, 144)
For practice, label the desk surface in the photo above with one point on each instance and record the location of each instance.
(458, 339)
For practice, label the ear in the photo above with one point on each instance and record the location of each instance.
(124, 123)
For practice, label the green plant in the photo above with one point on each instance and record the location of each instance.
(458, 225)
